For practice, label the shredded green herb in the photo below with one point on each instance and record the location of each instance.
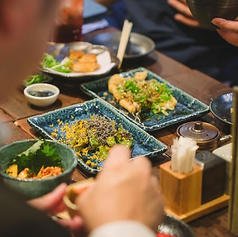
(50, 62)
(34, 79)
(41, 153)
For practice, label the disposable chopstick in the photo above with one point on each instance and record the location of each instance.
(233, 202)
(125, 34)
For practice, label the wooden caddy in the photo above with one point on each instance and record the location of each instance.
(183, 193)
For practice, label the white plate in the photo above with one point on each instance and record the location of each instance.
(224, 152)
(105, 58)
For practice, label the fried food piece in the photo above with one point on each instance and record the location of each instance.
(141, 76)
(84, 62)
(85, 67)
(170, 104)
(92, 58)
(113, 83)
(136, 94)
(75, 55)
(129, 105)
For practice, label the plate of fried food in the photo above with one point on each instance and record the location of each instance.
(91, 129)
(77, 60)
(146, 99)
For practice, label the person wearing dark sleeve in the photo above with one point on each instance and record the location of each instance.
(178, 35)
(19, 219)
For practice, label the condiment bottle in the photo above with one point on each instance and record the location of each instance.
(69, 21)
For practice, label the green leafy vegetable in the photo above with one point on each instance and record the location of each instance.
(34, 79)
(149, 95)
(131, 86)
(50, 62)
(41, 153)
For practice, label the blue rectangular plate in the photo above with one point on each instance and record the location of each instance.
(187, 107)
(144, 144)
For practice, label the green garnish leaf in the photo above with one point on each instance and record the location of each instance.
(34, 79)
(130, 85)
(50, 62)
(41, 153)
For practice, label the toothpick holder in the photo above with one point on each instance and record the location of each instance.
(182, 192)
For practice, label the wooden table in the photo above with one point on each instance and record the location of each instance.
(15, 111)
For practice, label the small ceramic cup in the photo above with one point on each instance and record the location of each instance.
(41, 94)
(73, 190)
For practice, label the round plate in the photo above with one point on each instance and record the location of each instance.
(138, 46)
(175, 227)
(221, 107)
(105, 57)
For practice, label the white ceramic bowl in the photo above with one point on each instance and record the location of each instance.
(50, 92)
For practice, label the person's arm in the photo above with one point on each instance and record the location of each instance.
(123, 228)
(228, 30)
(125, 190)
(106, 3)
(184, 15)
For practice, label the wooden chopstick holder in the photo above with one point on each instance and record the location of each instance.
(125, 34)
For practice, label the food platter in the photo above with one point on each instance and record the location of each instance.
(138, 45)
(144, 144)
(187, 107)
(223, 112)
(105, 58)
(174, 227)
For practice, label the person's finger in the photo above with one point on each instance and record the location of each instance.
(73, 225)
(180, 7)
(51, 202)
(226, 24)
(229, 36)
(117, 156)
(141, 162)
(187, 20)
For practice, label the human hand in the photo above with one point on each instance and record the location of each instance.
(52, 203)
(228, 30)
(124, 190)
(184, 16)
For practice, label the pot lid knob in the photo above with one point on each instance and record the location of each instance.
(198, 131)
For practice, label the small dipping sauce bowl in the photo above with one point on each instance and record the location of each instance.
(41, 94)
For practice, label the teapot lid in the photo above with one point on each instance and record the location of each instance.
(205, 134)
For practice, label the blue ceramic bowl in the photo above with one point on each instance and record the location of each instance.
(32, 188)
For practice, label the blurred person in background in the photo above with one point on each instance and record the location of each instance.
(170, 24)
(117, 204)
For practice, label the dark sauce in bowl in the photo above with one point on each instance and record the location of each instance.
(41, 93)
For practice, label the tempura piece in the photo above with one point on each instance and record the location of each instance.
(75, 55)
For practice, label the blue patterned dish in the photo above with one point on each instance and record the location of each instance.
(223, 112)
(144, 144)
(187, 106)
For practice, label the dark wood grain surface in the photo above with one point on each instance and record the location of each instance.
(15, 111)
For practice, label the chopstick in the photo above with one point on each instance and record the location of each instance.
(125, 34)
